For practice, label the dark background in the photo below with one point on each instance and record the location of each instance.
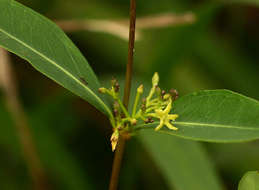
(219, 50)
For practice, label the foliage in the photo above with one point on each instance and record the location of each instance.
(205, 115)
(250, 181)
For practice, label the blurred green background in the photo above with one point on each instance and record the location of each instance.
(219, 50)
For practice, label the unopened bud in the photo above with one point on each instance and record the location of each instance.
(163, 93)
(116, 87)
(133, 122)
(116, 105)
(149, 120)
(174, 93)
(114, 139)
(166, 96)
(102, 90)
(155, 79)
(143, 107)
(140, 89)
(146, 121)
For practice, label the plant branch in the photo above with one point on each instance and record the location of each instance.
(130, 52)
(119, 27)
(122, 140)
(9, 86)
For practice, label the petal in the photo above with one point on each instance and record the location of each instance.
(159, 113)
(172, 116)
(153, 115)
(170, 126)
(168, 107)
(160, 125)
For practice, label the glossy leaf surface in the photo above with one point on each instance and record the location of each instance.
(215, 116)
(44, 45)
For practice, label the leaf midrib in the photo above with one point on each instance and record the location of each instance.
(214, 125)
(205, 125)
(59, 67)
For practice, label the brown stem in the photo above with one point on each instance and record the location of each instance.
(130, 52)
(122, 140)
(8, 83)
(119, 27)
(117, 164)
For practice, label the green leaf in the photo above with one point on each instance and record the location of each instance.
(250, 181)
(215, 116)
(183, 163)
(44, 45)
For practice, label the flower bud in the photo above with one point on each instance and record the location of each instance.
(163, 93)
(116, 105)
(140, 89)
(114, 139)
(149, 120)
(155, 79)
(102, 90)
(116, 87)
(174, 93)
(166, 96)
(133, 122)
(143, 105)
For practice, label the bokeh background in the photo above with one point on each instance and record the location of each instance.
(217, 50)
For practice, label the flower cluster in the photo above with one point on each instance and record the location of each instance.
(157, 105)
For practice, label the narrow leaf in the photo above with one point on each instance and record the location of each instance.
(250, 181)
(215, 116)
(44, 45)
(183, 163)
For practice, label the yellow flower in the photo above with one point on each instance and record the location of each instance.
(165, 117)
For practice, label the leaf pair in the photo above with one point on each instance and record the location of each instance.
(216, 116)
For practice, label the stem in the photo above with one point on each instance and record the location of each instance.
(121, 144)
(117, 164)
(123, 108)
(135, 105)
(130, 52)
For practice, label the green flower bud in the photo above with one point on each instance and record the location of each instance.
(102, 90)
(174, 93)
(116, 87)
(140, 89)
(155, 79)
(158, 91)
(166, 96)
(133, 122)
